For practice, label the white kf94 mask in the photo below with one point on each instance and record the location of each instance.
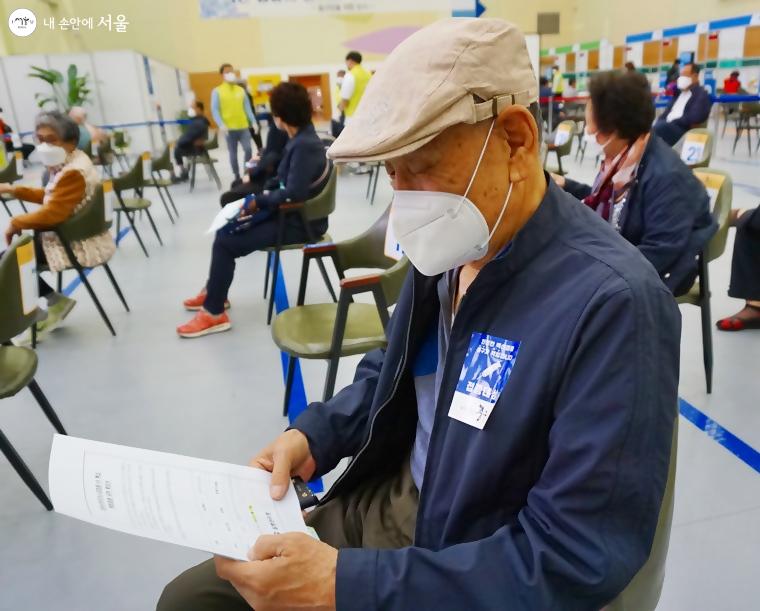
(440, 231)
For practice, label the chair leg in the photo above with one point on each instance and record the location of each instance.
(273, 286)
(266, 273)
(59, 281)
(212, 171)
(193, 165)
(20, 466)
(41, 399)
(706, 314)
(171, 201)
(137, 233)
(7, 210)
(116, 286)
(332, 374)
(289, 384)
(374, 186)
(153, 224)
(88, 286)
(369, 181)
(34, 335)
(559, 164)
(326, 278)
(166, 205)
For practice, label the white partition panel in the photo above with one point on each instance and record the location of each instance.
(167, 91)
(22, 88)
(121, 81)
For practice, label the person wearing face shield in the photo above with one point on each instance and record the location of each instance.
(72, 182)
(233, 114)
(690, 107)
(643, 189)
(510, 445)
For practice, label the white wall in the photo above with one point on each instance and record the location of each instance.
(120, 92)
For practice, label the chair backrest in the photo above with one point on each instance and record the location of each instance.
(18, 288)
(323, 205)
(163, 161)
(697, 147)
(643, 592)
(720, 189)
(105, 151)
(10, 172)
(88, 221)
(563, 137)
(119, 139)
(213, 143)
(367, 250)
(132, 179)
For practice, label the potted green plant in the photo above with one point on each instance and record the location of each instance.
(72, 91)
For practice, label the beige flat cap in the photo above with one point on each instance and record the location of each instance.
(454, 71)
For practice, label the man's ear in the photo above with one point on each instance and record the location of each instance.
(521, 132)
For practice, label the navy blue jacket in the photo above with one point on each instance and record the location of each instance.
(667, 214)
(303, 162)
(553, 505)
(697, 109)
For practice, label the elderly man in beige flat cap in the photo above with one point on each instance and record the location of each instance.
(510, 446)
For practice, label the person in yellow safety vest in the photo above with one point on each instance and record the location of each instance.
(231, 109)
(354, 83)
(558, 83)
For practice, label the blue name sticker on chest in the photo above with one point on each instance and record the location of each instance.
(485, 371)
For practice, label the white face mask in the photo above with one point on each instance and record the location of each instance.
(683, 82)
(440, 231)
(191, 113)
(230, 77)
(592, 144)
(50, 156)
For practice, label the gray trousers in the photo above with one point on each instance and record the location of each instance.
(381, 514)
(243, 137)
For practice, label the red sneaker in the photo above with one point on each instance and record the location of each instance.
(196, 303)
(204, 323)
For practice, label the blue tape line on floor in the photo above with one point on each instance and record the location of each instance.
(72, 286)
(744, 452)
(298, 393)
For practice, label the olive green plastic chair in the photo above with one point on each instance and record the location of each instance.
(156, 181)
(86, 223)
(699, 294)
(9, 174)
(643, 592)
(17, 364)
(697, 147)
(130, 206)
(120, 149)
(104, 156)
(329, 330)
(319, 207)
(201, 156)
(748, 120)
(561, 150)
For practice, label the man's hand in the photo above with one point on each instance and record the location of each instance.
(560, 180)
(287, 456)
(5, 187)
(342, 105)
(290, 571)
(10, 232)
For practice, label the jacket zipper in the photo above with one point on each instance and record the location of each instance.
(396, 382)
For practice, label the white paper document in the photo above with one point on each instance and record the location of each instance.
(225, 215)
(203, 504)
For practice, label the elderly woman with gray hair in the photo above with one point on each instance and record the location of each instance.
(73, 180)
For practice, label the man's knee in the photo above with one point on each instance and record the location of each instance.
(181, 594)
(200, 589)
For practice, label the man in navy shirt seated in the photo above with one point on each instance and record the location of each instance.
(690, 107)
(511, 444)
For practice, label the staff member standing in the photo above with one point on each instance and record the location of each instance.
(511, 444)
(233, 114)
(354, 84)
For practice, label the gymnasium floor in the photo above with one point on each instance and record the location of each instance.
(220, 398)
